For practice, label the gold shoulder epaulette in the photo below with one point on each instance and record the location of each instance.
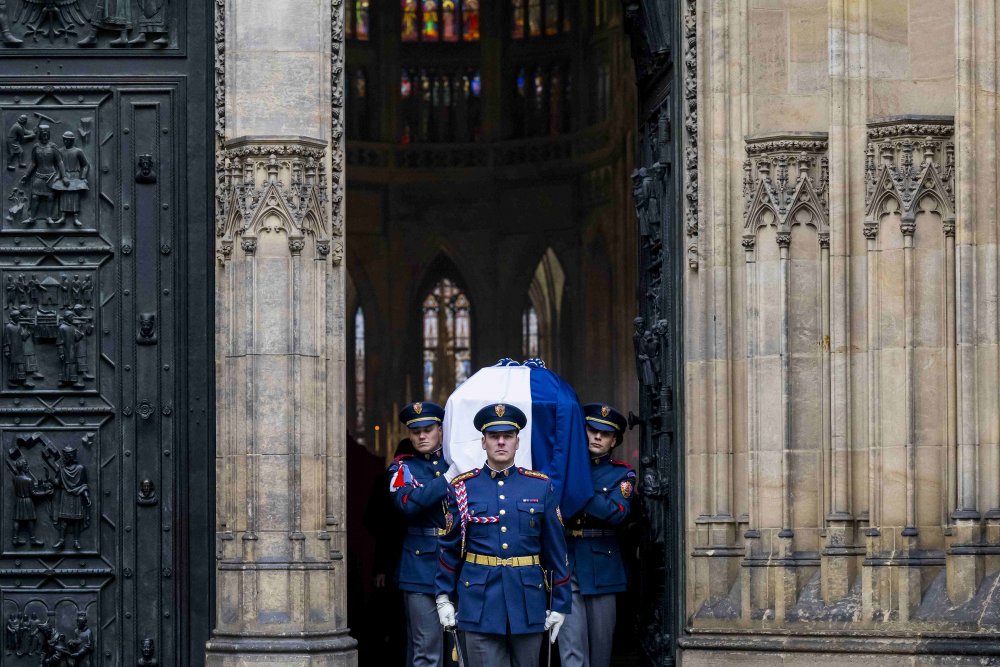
(533, 473)
(465, 475)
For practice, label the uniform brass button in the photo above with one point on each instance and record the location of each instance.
(467, 584)
(503, 497)
(604, 489)
(417, 552)
(503, 529)
(502, 512)
(435, 462)
(437, 473)
(504, 545)
(500, 483)
(531, 511)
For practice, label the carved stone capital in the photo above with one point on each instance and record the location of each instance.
(784, 240)
(824, 239)
(249, 246)
(296, 246)
(908, 227)
(907, 157)
(870, 231)
(748, 242)
(783, 174)
(224, 250)
(267, 182)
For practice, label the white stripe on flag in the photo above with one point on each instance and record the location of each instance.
(495, 384)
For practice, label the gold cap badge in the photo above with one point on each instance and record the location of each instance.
(500, 409)
(418, 407)
(605, 411)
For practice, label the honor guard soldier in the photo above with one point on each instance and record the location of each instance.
(419, 486)
(596, 565)
(507, 528)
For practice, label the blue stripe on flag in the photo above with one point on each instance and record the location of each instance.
(559, 440)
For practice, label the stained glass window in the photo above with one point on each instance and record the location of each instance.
(535, 18)
(411, 21)
(359, 375)
(517, 19)
(470, 20)
(430, 21)
(539, 89)
(529, 333)
(440, 106)
(449, 21)
(538, 18)
(555, 102)
(362, 23)
(405, 85)
(440, 20)
(551, 17)
(357, 119)
(447, 334)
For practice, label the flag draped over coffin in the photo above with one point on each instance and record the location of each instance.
(554, 441)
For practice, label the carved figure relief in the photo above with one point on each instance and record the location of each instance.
(152, 23)
(50, 19)
(65, 24)
(74, 182)
(114, 16)
(6, 36)
(148, 654)
(45, 167)
(50, 490)
(147, 329)
(18, 135)
(50, 328)
(55, 180)
(23, 634)
(28, 491)
(14, 336)
(73, 512)
(147, 493)
(145, 173)
(35, 635)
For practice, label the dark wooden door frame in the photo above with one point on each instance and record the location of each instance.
(654, 27)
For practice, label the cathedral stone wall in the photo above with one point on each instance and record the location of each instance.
(842, 419)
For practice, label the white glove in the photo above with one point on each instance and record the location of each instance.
(452, 472)
(553, 621)
(446, 611)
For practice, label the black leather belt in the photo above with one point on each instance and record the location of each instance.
(591, 532)
(426, 532)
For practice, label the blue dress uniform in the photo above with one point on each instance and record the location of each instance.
(507, 535)
(419, 490)
(598, 571)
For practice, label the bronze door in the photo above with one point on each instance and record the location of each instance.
(105, 391)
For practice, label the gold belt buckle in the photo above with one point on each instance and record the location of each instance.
(576, 533)
(508, 562)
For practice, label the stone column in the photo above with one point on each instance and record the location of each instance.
(279, 336)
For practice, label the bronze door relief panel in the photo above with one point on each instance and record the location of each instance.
(90, 25)
(88, 378)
